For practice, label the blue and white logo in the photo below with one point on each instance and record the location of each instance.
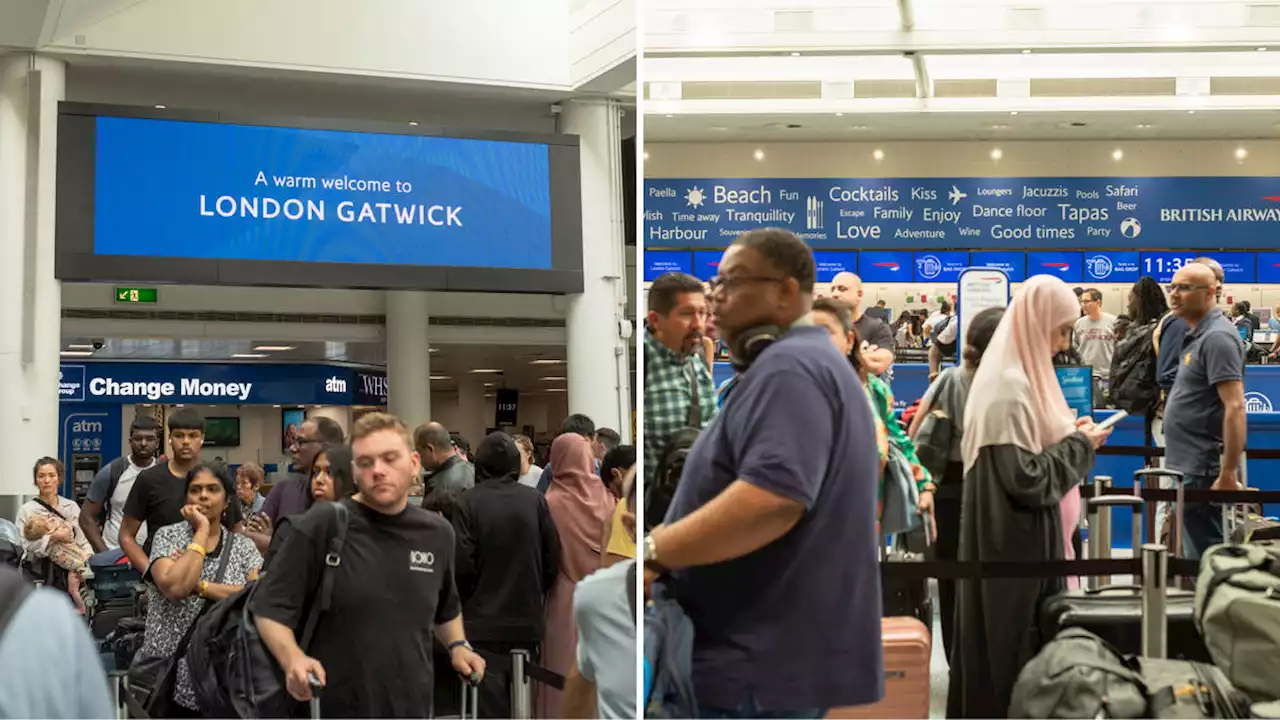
(1255, 402)
(1099, 266)
(1130, 227)
(71, 382)
(929, 267)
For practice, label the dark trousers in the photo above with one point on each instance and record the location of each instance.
(947, 549)
(495, 690)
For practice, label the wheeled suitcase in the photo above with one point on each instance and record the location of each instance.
(906, 597)
(908, 647)
(1114, 612)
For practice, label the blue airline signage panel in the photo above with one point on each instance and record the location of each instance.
(170, 188)
(1237, 267)
(1014, 264)
(1065, 265)
(1162, 265)
(659, 263)
(879, 266)
(830, 263)
(218, 384)
(1269, 267)
(706, 264)
(977, 213)
(1112, 266)
(940, 266)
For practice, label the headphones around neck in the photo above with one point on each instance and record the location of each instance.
(749, 345)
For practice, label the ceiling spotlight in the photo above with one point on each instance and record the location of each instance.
(160, 107)
(1117, 155)
(248, 356)
(1144, 126)
(439, 377)
(759, 154)
(1191, 112)
(857, 127)
(553, 378)
(484, 371)
(413, 123)
(556, 390)
(76, 353)
(646, 154)
(1262, 49)
(274, 348)
(546, 361)
(1013, 112)
(1026, 52)
(670, 116)
(433, 350)
(795, 54)
(999, 127)
(878, 154)
(839, 114)
(1241, 153)
(996, 153)
(74, 346)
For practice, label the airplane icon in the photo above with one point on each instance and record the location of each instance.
(956, 196)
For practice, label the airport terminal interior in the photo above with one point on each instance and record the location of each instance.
(909, 140)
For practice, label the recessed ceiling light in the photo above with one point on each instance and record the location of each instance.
(1026, 52)
(646, 154)
(1241, 153)
(274, 348)
(1117, 155)
(557, 390)
(795, 54)
(484, 371)
(857, 127)
(759, 154)
(1191, 112)
(248, 356)
(670, 116)
(160, 107)
(439, 377)
(839, 114)
(996, 153)
(878, 154)
(999, 127)
(275, 406)
(1262, 49)
(76, 353)
(553, 378)
(413, 123)
(79, 347)
(490, 384)
(1014, 112)
(489, 395)
(546, 361)
(433, 350)
(1144, 126)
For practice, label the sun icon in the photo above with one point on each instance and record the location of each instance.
(694, 197)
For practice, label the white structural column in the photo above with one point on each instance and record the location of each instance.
(408, 357)
(30, 298)
(599, 376)
(472, 419)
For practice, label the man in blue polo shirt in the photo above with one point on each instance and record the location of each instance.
(771, 537)
(1204, 419)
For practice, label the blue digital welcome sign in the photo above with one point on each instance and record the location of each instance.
(177, 189)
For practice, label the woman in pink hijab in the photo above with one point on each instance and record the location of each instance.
(1025, 454)
(580, 505)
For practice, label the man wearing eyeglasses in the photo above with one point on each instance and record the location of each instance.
(1204, 419)
(292, 496)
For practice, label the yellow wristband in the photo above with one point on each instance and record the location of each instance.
(197, 548)
(204, 588)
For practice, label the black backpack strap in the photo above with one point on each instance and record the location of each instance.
(695, 408)
(336, 538)
(50, 508)
(631, 588)
(114, 472)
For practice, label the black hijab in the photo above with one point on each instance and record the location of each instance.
(497, 459)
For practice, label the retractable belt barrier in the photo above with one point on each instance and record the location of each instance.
(1151, 452)
(511, 663)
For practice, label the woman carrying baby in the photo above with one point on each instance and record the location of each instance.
(50, 527)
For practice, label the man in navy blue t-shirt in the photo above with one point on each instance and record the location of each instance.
(771, 537)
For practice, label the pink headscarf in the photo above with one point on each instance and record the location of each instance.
(579, 504)
(1015, 398)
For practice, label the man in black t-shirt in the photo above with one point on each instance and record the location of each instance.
(393, 586)
(875, 334)
(160, 491)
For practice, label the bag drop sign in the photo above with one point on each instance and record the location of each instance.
(106, 387)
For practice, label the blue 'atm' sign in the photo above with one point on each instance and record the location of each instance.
(657, 264)
(1066, 266)
(1116, 267)
(880, 266)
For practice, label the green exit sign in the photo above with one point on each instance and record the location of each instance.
(136, 295)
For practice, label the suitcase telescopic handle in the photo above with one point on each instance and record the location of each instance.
(1097, 503)
(1159, 472)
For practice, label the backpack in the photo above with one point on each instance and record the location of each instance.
(13, 592)
(660, 489)
(1080, 675)
(1238, 614)
(668, 658)
(116, 470)
(947, 349)
(1133, 372)
(233, 673)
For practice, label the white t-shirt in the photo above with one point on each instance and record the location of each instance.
(948, 333)
(111, 533)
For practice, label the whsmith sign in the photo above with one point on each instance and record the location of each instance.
(962, 213)
(209, 383)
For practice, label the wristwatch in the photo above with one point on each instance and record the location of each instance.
(650, 558)
(458, 644)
